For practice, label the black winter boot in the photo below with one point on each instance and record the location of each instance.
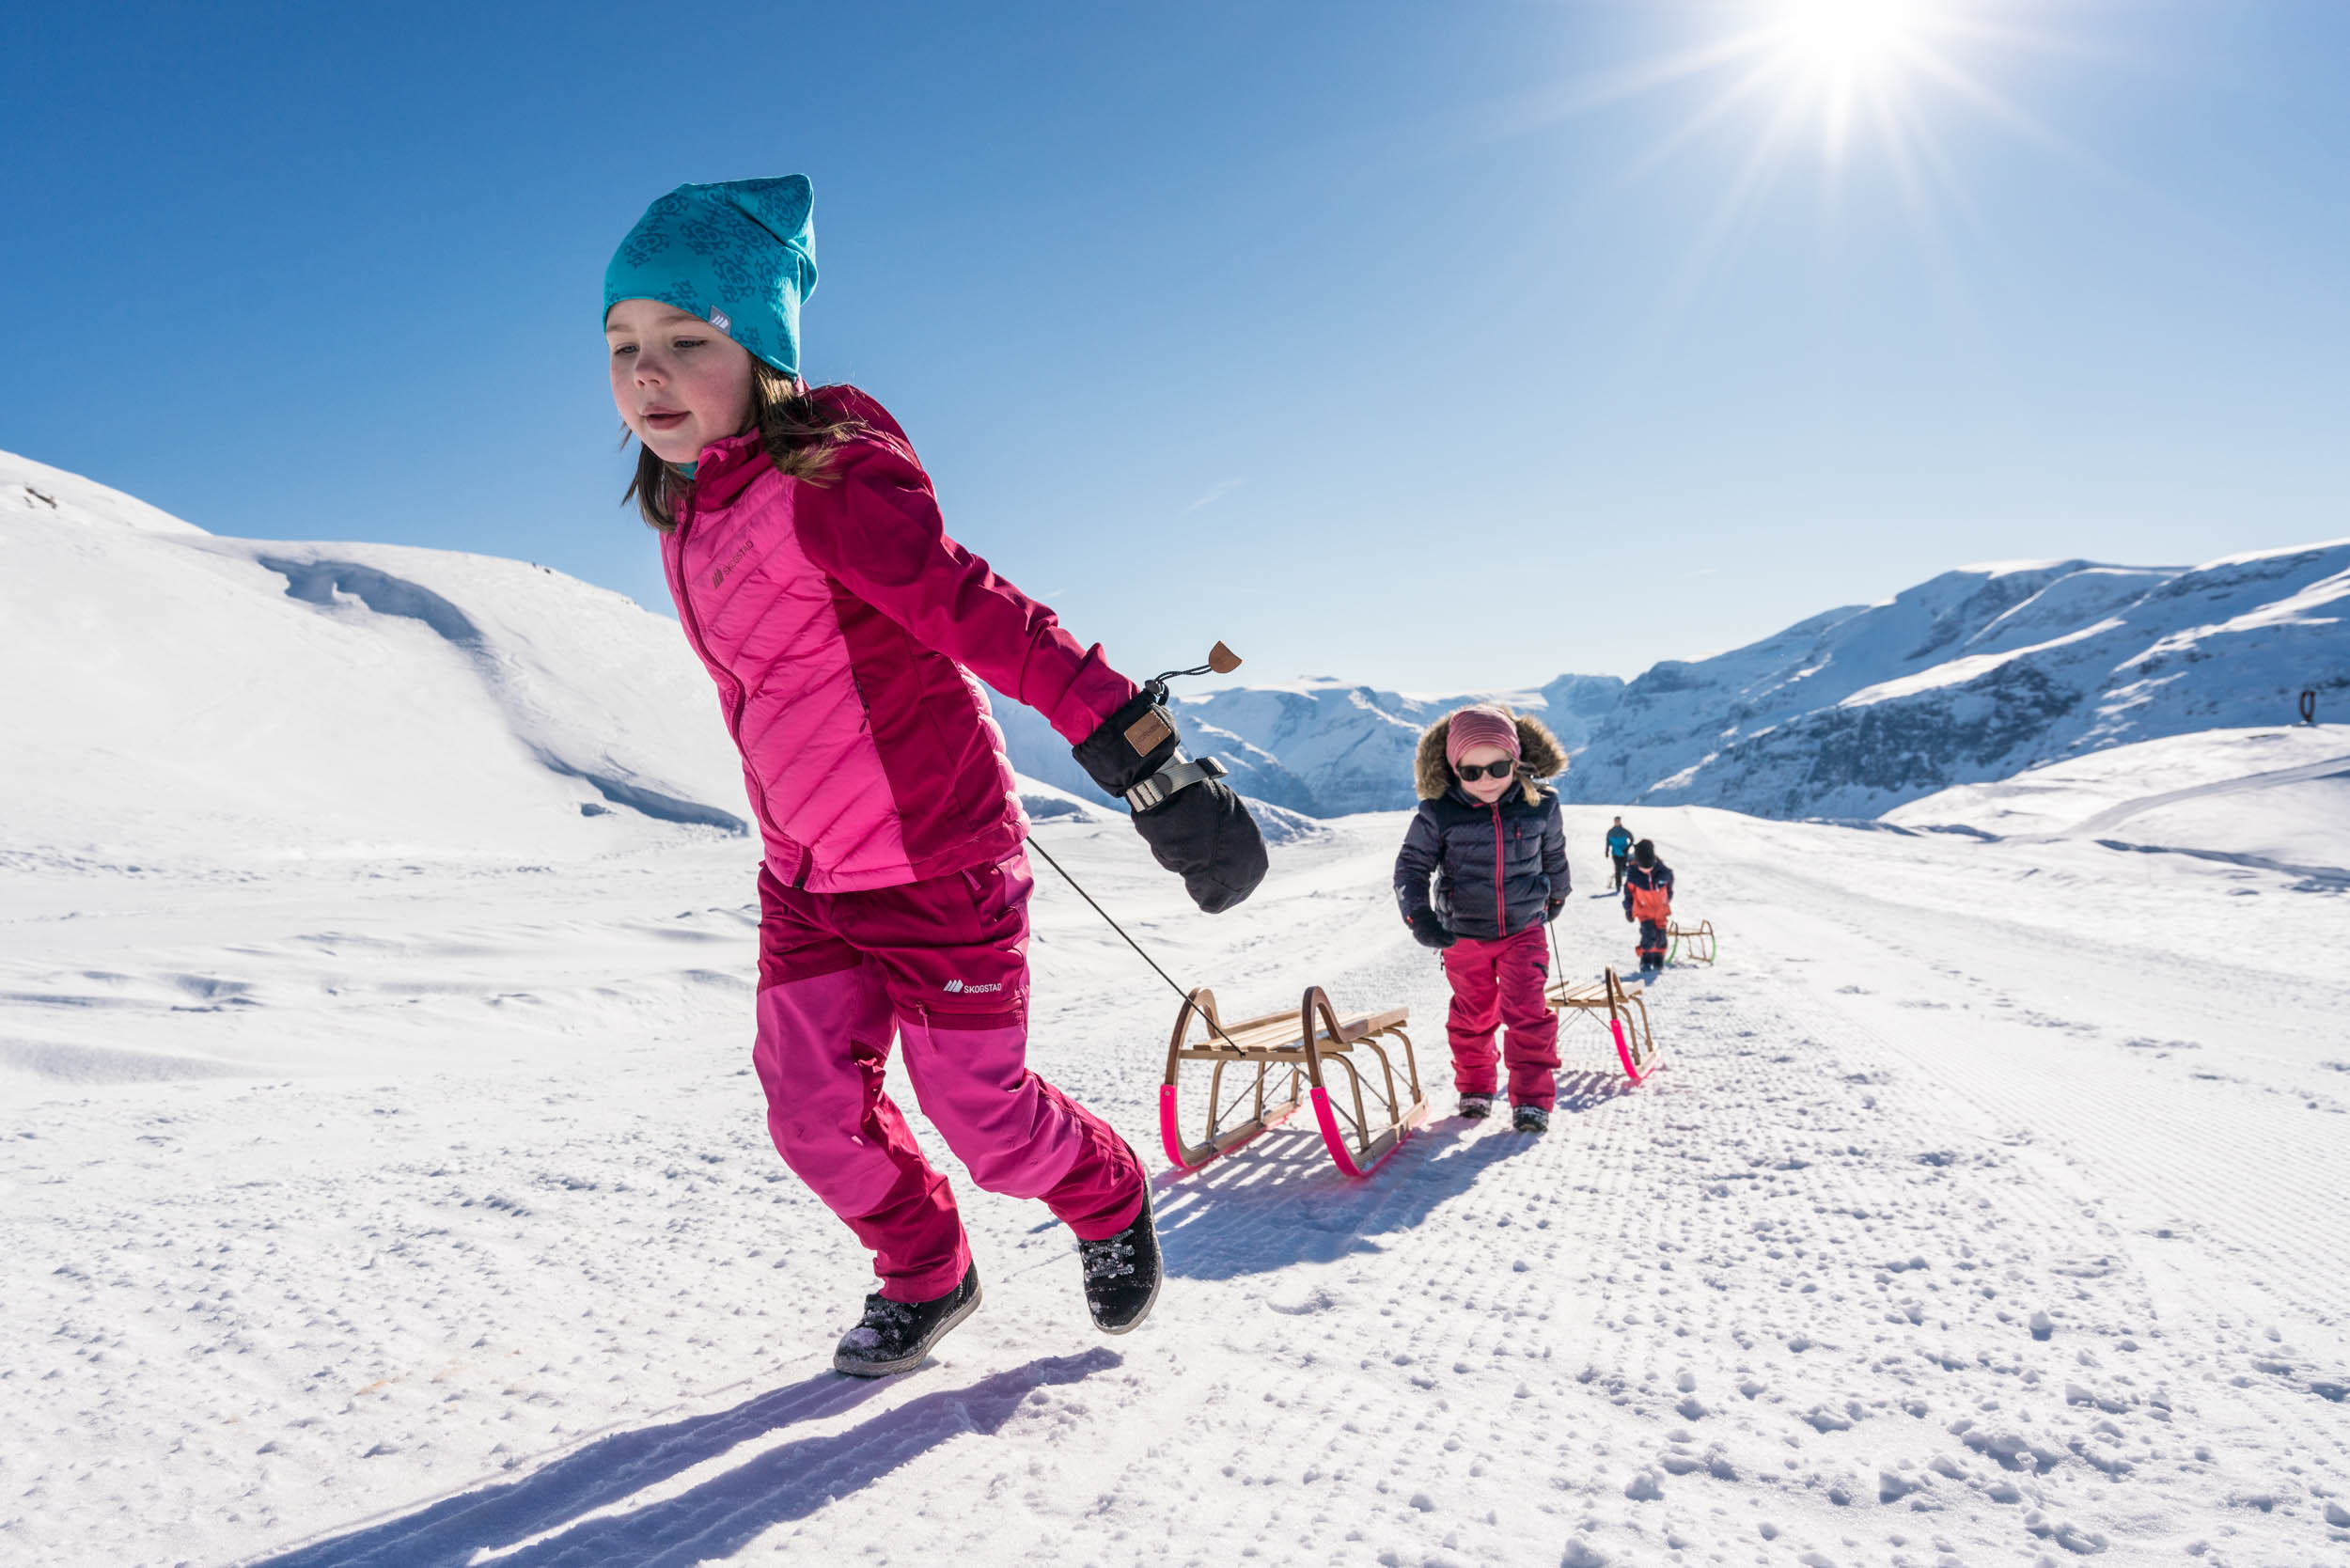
(1123, 1273)
(1529, 1119)
(897, 1335)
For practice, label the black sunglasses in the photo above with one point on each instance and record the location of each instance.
(1472, 772)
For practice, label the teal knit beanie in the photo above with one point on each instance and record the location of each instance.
(741, 255)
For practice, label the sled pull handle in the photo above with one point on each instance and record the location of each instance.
(1221, 661)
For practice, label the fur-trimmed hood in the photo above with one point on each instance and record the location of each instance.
(1540, 756)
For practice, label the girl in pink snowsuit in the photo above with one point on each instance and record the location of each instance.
(848, 636)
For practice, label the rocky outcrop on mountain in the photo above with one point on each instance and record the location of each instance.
(1976, 675)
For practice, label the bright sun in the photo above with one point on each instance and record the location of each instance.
(1872, 84)
(1840, 52)
(1850, 37)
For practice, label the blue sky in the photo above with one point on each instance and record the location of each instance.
(1379, 339)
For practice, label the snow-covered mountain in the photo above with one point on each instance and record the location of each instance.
(435, 701)
(1972, 676)
(1319, 746)
(1976, 675)
(171, 689)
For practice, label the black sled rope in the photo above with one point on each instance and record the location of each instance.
(1221, 661)
(1216, 1028)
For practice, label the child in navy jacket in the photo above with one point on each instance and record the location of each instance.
(1648, 898)
(1482, 869)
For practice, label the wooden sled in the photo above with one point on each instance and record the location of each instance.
(1636, 1048)
(1699, 937)
(1285, 1061)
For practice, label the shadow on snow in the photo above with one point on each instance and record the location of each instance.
(1280, 1201)
(711, 1518)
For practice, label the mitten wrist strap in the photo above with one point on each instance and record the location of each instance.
(1175, 777)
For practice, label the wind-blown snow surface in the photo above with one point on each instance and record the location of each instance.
(2273, 799)
(422, 1213)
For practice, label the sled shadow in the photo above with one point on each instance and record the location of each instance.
(713, 1518)
(1278, 1201)
(1582, 1091)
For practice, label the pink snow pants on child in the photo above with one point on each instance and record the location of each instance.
(943, 964)
(1501, 984)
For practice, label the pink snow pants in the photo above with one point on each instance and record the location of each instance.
(943, 964)
(1500, 984)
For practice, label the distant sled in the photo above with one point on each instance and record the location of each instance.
(1698, 937)
(1285, 1061)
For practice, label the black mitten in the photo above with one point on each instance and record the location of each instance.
(1428, 930)
(1195, 823)
(1550, 910)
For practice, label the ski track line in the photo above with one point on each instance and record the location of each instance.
(2277, 1390)
(2128, 1126)
(2092, 1277)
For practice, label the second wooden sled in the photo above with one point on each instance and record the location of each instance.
(1286, 1061)
(1635, 1047)
(1699, 937)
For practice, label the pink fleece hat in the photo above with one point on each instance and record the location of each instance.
(1482, 724)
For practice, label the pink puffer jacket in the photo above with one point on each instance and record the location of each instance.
(843, 628)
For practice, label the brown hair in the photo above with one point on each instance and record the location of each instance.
(799, 437)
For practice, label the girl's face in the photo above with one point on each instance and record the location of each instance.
(1485, 789)
(679, 383)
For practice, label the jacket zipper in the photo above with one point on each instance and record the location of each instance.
(1501, 907)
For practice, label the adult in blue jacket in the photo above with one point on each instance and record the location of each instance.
(1619, 846)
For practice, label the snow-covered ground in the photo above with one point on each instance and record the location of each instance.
(2265, 797)
(420, 1212)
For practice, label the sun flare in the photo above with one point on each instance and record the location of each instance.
(1834, 54)
(1852, 37)
(1879, 98)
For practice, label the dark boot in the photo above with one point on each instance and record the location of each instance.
(897, 1335)
(1121, 1272)
(1529, 1119)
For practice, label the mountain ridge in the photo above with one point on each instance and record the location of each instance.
(398, 679)
(1971, 676)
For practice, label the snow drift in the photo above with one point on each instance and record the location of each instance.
(173, 688)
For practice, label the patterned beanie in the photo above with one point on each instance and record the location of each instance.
(1481, 725)
(740, 255)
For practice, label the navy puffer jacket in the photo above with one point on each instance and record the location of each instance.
(1488, 872)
